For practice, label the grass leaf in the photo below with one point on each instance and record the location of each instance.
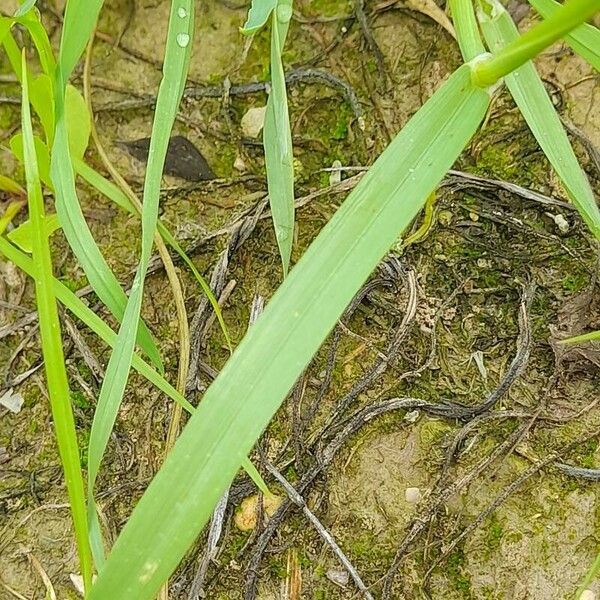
(585, 39)
(116, 195)
(467, 29)
(22, 236)
(93, 321)
(257, 15)
(536, 107)
(238, 405)
(277, 137)
(175, 67)
(52, 350)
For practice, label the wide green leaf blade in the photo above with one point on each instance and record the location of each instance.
(535, 105)
(585, 40)
(52, 349)
(42, 154)
(175, 68)
(277, 139)
(241, 401)
(22, 236)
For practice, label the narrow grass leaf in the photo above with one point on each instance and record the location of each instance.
(239, 404)
(535, 105)
(534, 41)
(10, 185)
(116, 195)
(87, 316)
(108, 336)
(585, 337)
(80, 18)
(52, 350)
(31, 20)
(258, 15)
(78, 234)
(277, 139)
(467, 29)
(175, 68)
(25, 7)
(585, 39)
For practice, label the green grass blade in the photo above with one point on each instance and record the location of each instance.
(585, 337)
(241, 401)
(258, 15)
(31, 20)
(527, 46)
(536, 107)
(93, 321)
(79, 236)
(277, 139)
(79, 21)
(176, 63)
(585, 40)
(109, 337)
(52, 350)
(80, 18)
(467, 29)
(114, 193)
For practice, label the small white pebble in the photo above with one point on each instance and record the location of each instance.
(587, 595)
(412, 495)
(239, 164)
(561, 223)
(338, 576)
(412, 416)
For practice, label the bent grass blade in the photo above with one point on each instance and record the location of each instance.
(585, 39)
(535, 105)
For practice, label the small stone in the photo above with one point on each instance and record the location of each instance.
(12, 401)
(253, 121)
(562, 223)
(239, 164)
(338, 576)
(587, 595)
(412, 495)
(245, 516)
(412, 416)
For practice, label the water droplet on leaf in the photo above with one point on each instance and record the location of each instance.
(181, 12)
(183, 39)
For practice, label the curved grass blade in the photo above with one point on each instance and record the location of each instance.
(241, 401)
(80, 18)
(585, 40)
(52, 350)
(536, 107)
(109, 337)
(277, 139)
(175, 68)
(467, 29)
(116, 195)
(526, 47)
(93, 321)
(585, 337)
(258, 15)
(78, 234)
